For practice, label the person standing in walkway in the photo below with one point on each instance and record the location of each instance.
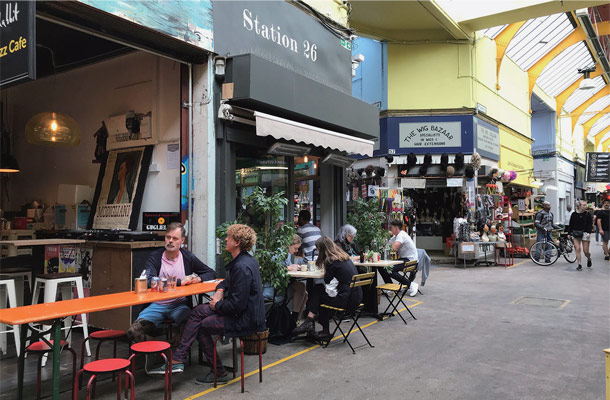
(544, 227)
(581, 224)
(309, 233)
(603, 225)
(569, 213)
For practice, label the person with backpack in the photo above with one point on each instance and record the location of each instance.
(581, 224)
(544, 227)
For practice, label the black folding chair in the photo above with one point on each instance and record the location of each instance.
(399, 293)
(339, 314)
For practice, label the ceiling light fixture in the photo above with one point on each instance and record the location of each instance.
(587, 83)
(52, 129)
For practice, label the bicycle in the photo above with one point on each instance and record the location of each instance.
(546, 252)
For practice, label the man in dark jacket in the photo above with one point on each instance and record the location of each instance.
(172, 260)
(236, 309)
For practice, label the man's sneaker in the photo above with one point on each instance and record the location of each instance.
(579, 268)
(413, 289)
(176, 368)
(306, 327)
(607, 258)
(209, 378)
(589, 263)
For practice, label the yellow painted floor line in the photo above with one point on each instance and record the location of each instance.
(290, 357)
(516, 265)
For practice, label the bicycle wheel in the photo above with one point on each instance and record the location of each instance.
(544, 253)
(569, 253)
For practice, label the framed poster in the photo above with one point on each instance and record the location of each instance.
(119, 189)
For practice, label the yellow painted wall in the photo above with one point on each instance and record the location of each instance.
(516, 155)
(427, 76)
(333, 10)
(567, 144)
(456, 75)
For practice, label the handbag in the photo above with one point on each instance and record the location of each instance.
(578, 234)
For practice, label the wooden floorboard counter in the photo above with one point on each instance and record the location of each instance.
(114, 267)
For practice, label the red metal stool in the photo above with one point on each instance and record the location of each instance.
(241, 347)
(42, 348)
(102, 336)
(156, 347)
(107, 366)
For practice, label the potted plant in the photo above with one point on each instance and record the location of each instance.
(263, 213)
(367, 219)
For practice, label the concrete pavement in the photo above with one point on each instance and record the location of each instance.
(526, 332)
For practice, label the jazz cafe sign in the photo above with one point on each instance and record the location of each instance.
(17, 41)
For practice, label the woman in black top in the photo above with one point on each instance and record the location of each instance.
(337, 268)
(579, 228)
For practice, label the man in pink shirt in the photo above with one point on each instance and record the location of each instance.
(172, 260)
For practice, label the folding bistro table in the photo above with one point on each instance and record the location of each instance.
(370, 301)
(58, 310)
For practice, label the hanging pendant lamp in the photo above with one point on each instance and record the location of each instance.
(52, 129)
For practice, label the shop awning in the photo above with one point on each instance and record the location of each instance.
(281, 128)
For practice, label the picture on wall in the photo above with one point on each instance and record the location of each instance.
(119, 189)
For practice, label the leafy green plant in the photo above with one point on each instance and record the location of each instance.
(272, 236)
(366, 218)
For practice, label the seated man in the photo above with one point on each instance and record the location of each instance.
(170, 261)
(236, 309)
(405, 247)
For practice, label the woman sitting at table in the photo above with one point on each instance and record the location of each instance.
(340, 269)
(296, 290)
(345, 240)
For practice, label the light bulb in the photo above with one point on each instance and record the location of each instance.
(305, 159)
(53, 126)
(53, 139)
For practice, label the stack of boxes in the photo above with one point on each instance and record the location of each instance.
(70, 212)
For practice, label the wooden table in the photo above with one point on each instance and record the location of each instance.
(306, 274)
(370, 301)
(58, 310)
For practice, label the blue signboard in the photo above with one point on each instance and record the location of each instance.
(426, 134)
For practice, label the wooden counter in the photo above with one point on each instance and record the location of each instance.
(115, 265)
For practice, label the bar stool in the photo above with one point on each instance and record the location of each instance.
(155, 347)
(106, 366)
(62, 281)
(8, 284)
(259, 341)
(42, 349)
(101, 336)
(20, 274)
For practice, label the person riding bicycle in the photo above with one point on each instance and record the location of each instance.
(544, 227)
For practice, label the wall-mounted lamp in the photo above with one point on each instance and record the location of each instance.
(219, 66)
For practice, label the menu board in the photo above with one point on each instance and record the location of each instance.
(598, 167)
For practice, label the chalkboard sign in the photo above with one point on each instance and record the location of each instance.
(598, 167)
(17, 41)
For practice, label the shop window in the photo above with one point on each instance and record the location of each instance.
(307, 187)
(259, 170)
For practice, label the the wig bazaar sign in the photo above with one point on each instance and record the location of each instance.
(430, 134)
(17, 41)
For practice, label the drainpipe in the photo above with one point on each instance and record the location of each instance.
(190, 161)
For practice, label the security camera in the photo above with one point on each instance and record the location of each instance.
(352, 37)
(358, 58)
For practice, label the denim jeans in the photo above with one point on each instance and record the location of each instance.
(540, 237)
